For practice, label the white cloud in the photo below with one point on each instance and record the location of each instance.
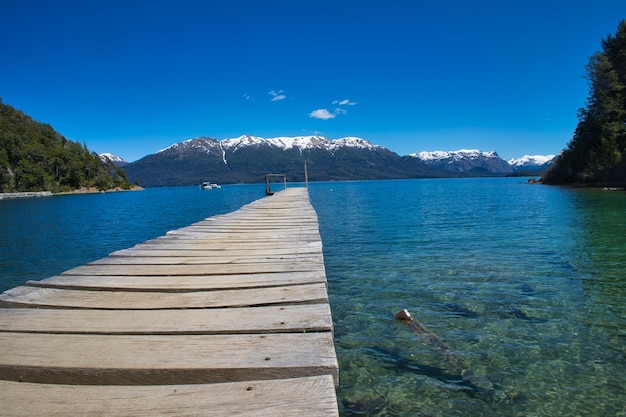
(247, 96)
(277, 95)
(323, 114)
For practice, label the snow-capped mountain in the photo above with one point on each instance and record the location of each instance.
(466, 161)
(113, 158)
(532, 162)
(284, 142)
(248, 158)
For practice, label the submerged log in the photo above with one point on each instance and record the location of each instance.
(460, 375)
(431, 340)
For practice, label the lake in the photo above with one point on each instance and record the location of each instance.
(524, 285)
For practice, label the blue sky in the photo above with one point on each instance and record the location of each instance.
(132, 77)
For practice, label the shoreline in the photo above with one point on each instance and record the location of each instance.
(39, 194)
(94, 190)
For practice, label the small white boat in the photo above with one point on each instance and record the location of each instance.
(213, 185)
(206, 185)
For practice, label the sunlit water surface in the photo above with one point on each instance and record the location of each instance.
(524, 284)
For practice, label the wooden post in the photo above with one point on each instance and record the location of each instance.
(268, 190)
(306, 175)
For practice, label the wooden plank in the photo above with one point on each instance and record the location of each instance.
(176, 244)
(275, 233)
(209, 260)
(165, 250)
(152, 300)
(311, 396)
(217, 269)
(273, 319)
(252, 225)
(280, 240)
(256, 225)
(156, 360)
(180, 282)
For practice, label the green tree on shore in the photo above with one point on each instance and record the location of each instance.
(596, 155)
(34, 157)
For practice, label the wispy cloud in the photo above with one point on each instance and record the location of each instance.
(345, 102)
(324, 114)
(247, 96)
(277, 95)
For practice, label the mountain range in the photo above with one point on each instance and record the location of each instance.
(471, 161)
(246, 159)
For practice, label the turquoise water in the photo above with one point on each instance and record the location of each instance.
(524, 284)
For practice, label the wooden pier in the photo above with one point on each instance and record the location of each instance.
(228, 316)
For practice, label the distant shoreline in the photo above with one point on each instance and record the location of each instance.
(39, 194)
(94, 190)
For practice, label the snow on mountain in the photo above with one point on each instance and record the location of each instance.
(202, 144)
(465, 160)
(531, 161)
(114, 158)
(282, 142)
(300, 142)
(354, 142)
(452, 156)
(233, 144)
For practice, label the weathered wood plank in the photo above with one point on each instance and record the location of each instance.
(165, 250)
(209, 260)
(310, 396)
(179, 283)
(280, 240)
(253, 225)
(171, 243)
(217, 269)
(273, 319)
(155, 360)
(152, 300)
(275, 233)
(246, 244)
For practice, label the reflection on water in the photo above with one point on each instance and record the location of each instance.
(525, 283)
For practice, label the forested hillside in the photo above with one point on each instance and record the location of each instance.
(34, 157)
(596, 155)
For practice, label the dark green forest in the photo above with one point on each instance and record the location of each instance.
(34, 157)
(596, 154)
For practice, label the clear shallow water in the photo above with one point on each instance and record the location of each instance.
(526, 284)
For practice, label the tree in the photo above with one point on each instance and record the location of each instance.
(597, 152)
(34, 157)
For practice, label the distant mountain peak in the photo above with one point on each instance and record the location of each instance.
(466, 161)
(454, 155)
(531, 160)
(200, 143)
(113, 158)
